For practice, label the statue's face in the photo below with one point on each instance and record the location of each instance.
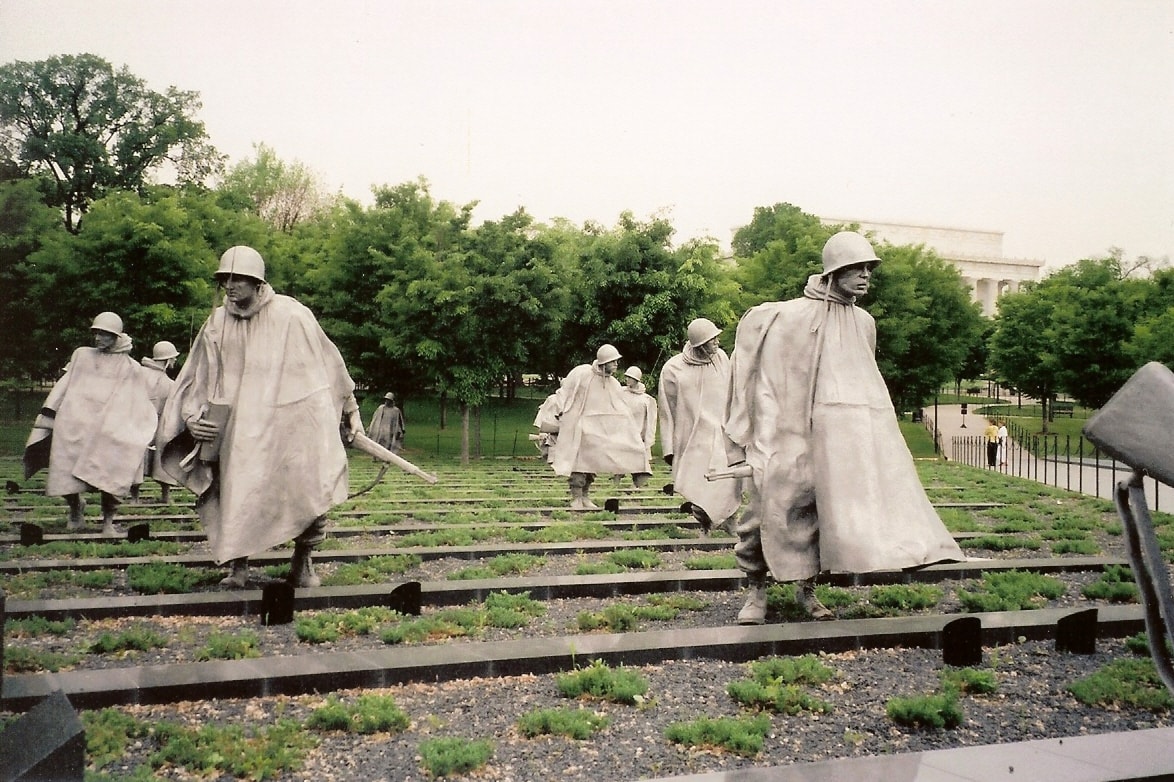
(103, 340)
(239, 290)
(711, 347)
(853, 280)
(610, 367)
(631, 382)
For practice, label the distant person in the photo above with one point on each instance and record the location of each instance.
(694, 389)
(643, 408)
(159, 384)
(833, 486)
(991, 435)
(95, 425)
(387, 425)
(596, 429)
(1002, 434)
(261, 397)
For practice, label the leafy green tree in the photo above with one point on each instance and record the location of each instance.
(359, 271)
(634, 290)
(776, 253)
(85, 129)
(281, 193)
(25, 225)
(925, 321)
(1022, 349)
(1153, 335)
(150, 258)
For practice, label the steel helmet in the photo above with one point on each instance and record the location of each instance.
(108, 321)
(163, 351)
(701, 330)
(607, 353)
(847, 248)
(242, 261)
(634, 373)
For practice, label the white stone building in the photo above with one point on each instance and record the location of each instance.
(977, 254)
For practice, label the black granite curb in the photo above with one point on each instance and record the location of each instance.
(447, 593)
(325, 672)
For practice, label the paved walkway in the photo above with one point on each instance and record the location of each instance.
(962, 434)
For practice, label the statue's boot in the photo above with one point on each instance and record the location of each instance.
(238, 573)
(77, 513)
(109, 505)
(812, 603)
(754, 611)
(301, 567)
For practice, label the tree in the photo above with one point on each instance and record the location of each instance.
(280, 193)
(925, 321)
(1022, 347)
(26, 224)
(86, 129)
(1153, 336)
(776, 253)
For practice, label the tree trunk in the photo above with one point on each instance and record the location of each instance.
(443, 409)
(477, 432)
(464, 434)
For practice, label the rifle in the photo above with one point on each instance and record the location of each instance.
(368, 446)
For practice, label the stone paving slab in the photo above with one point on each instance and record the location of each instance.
(1105, 757)
(328, 671)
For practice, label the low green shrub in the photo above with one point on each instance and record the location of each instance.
(600, 681)
(442, 757)
(166, 578)
(1084, 547)
(598, 569)
(937, 711)
(635, 558)
(134, 639)
(1115, 585)
(368, 714)
(1130, 681)
(712, 562)
(18, 659)
(905, 597)
(740, 735)
(33, 626)
(230, 646)
(261, 753)
(574, 723)
(109, 733)
(375, 570)
(1013, 590)
(973, 681)
(1000, 542)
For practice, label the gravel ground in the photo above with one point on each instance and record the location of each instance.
(1031, 701)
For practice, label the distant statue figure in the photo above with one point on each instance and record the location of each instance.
(694, 388)
(833, 485)
(95, 425)
(643, 408)
(159, 384)
(596, 430)
(387, 425)
(548, 425)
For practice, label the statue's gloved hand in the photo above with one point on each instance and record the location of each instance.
(668, 459)
(203, 430)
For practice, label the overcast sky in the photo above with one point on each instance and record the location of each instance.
(1052, 122)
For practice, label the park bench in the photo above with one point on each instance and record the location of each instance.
(1063, 408)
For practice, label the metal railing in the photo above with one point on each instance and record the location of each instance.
(1062, 461)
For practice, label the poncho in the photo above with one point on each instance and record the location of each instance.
(102, 425)
(597, 433)
(643, 409)
(282, 462)
(693, 390)
(159, 387)
(811, 414)
(387, 427)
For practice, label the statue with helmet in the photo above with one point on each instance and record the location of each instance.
(159, 384)
(831, 484)
(643, 407)
(252, 424)
(597, 432)
(693, 389)
(94, 426)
